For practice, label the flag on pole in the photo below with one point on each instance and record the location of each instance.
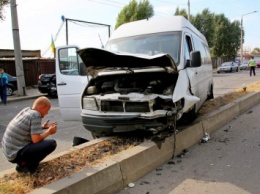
(52, 45)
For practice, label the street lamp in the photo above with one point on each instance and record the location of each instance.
(241, 44)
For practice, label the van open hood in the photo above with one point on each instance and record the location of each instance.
(101, 58)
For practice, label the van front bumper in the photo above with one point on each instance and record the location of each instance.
(106, 125)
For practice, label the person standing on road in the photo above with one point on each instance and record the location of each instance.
(3, 85)
(24, 141)
(252, 65)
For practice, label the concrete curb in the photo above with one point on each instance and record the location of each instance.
(114, 174)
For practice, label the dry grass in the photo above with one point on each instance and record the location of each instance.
(19, 183)
(215, 103)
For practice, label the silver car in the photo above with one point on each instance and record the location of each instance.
(244, 65)
(228, 67)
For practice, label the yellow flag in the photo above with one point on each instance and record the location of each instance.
(52, 45)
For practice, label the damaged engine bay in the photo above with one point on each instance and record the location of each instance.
(135, 95)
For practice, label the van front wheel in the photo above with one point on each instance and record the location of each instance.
(211, 94)
(190, 116)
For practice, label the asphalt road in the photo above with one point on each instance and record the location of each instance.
(228, 163)
(228, 82)
(223, 83)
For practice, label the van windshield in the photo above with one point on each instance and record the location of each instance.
(149, 44)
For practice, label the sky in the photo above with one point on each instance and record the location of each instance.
(40, 20)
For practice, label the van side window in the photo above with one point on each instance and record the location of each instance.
(187, 47)
(208, 58)
(69, 61)
(199, 46)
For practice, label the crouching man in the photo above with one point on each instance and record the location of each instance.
(24, 141)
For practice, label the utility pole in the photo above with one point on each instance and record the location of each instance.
(17, 50)
(189, 10)
(241, 38)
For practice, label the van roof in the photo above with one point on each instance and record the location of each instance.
(155, 25)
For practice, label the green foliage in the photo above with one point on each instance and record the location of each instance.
(204, 22)
(256, 50)
(135, 11)
(222, 35)
(2, 4)
(181, 12)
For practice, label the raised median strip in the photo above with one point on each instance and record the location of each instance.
(112, 175)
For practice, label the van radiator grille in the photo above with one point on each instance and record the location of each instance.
(118, 106)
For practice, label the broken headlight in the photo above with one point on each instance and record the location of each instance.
(90, 104)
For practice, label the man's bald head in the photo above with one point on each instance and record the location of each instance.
(42, 105)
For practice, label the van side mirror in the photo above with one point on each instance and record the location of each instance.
(195, 59)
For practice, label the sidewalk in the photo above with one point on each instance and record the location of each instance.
(30, 94)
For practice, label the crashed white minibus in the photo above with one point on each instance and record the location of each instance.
(150, 73)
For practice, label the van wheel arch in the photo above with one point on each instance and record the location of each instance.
(189, 116)
(211, 93)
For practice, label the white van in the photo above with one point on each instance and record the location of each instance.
(151, 73)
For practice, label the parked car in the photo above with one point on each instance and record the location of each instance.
(257, 63)
(244, 65)
(228, 67)
(12, 85)
(47, 84)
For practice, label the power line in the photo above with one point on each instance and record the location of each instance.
(163, 1)
(86, 25)
(113, 5)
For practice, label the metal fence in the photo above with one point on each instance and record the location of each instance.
(32, 68)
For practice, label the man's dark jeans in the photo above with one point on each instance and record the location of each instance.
(252, 70)
(33, 153)
(3, 94)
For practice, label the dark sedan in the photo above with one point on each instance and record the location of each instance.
(47, 84)
(12, 85)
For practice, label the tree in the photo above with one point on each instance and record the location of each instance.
(2, 4)
(181, 12)
(256, 50)
(204, 22)
(222, 35)
(135, 11)
(234, 35)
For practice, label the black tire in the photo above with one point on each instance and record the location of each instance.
(189, 117)
(52, 93)
(211, 94)
(9, 91)
(96, 135)
(237, 70)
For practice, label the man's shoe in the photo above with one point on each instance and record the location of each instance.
(24, 169)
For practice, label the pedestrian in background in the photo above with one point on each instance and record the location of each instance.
(3, 85)
(24, 141)
(251, 65)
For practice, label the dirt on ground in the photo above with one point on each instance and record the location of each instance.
(66, 165)
(216, 103)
